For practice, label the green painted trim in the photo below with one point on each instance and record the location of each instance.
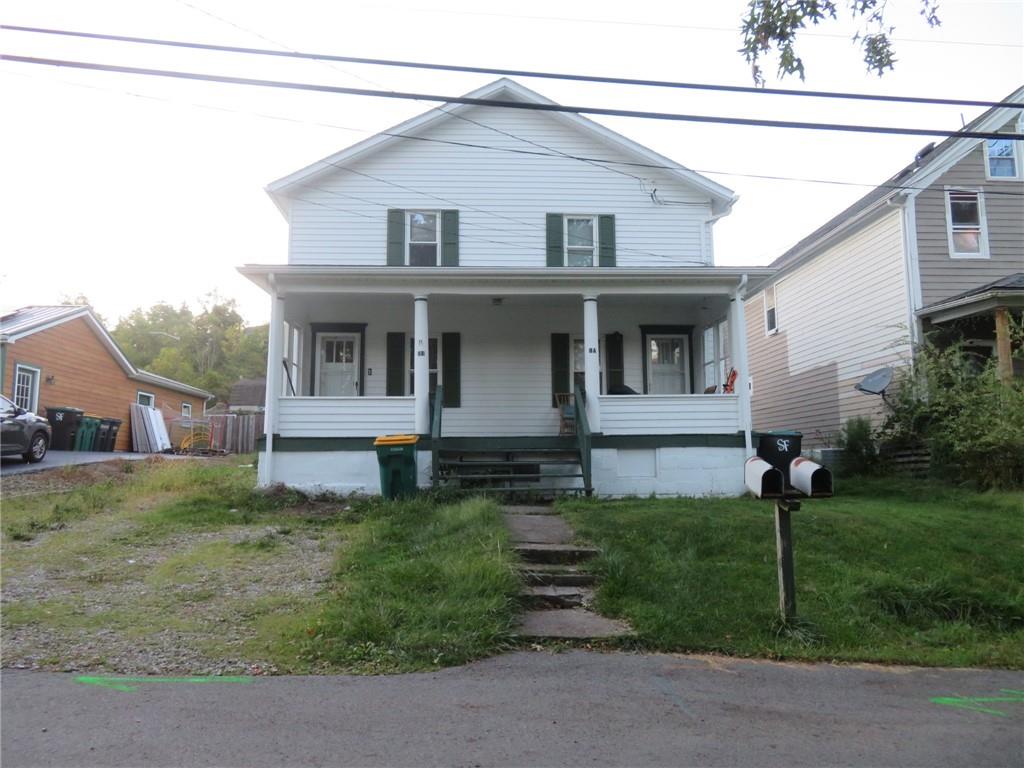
(669, 441)
(498, 443)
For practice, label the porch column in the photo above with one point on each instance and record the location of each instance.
(592, 362)
(274, 358)
(421, 365)
(1004, 360)
(738, 353)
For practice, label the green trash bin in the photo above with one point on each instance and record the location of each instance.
(86, 436)
(396, 456)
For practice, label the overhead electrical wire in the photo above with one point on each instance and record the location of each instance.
(529, 106)
(506, 72)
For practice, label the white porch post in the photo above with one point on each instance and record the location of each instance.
(274, 357)
(738, 353)
(592, 362)
(421, 364)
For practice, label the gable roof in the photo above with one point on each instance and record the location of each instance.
(928, 164)
(29, 320)
(251, 392)
(722, 197)
(1007, 291)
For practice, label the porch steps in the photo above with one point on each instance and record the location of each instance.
(557, 586)
(517, 468)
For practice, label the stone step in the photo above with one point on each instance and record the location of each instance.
(539, 597)
(537, 529)
(556, 576)
(555, 553)
(569, 624)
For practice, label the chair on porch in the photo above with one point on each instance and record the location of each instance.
(566, 413)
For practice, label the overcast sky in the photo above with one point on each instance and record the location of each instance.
(134, 190)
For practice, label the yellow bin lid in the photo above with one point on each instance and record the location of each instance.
(396, 440)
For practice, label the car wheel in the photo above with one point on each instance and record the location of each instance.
(37, 448)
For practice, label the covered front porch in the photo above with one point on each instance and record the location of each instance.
(627, 363)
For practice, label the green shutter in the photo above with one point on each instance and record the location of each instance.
(606, 240)
(396, 237)
(560, 373)
(614, 361)
(395, 383)
(556, 257)
(451, 369)
(449, 238)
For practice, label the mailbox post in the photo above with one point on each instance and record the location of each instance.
(779, 472)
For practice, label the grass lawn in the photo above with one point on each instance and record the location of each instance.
(182, 567)
(888, 571)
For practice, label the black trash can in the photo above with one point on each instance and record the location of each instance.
(102, 436)
(115, 426)
(779, 448)
(64, 422)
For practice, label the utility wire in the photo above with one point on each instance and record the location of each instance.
(514, 72)
(599, 161)
(414, 96)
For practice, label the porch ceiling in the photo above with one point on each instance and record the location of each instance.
(287, 279)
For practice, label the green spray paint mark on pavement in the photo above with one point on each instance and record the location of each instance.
(981, 703)
(125, 683)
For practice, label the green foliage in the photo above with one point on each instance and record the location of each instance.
(774, 24)
(210, 349)
(972, 422)
(860, 456)
(887, 571)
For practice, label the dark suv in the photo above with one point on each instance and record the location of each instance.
(24, 433)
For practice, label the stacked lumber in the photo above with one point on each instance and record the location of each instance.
(149, 432)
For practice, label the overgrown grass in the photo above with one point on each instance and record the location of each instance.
(889, 571)
(421, 585)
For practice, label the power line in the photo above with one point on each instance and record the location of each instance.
(512, 72)
(413, 96)
(596, 161)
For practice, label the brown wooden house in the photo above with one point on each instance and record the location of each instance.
(63, 356)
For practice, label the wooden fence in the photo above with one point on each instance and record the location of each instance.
(221, 433)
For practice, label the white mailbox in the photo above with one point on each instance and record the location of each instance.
(809, 478)
(763, 480)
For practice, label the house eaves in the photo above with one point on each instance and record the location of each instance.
(722, 197)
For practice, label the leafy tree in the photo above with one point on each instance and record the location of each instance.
(774, 24)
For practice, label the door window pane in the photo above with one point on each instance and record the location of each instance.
(667, 365)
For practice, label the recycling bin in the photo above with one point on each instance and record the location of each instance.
(64, 421)
(396, 456)
(86, 436)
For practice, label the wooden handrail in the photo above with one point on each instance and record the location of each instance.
(583, 436)
(435, 436)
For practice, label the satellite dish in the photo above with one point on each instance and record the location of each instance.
(875, 383)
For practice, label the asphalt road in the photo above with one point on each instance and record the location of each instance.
(529, 709)
(14, 465)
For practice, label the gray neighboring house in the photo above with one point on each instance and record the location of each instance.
(940, 244)
(248, 396)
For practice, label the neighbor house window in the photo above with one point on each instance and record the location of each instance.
(423, 229)
(186, 410)
(1001, 159)
(580, 241)
(771, 312)
(965, 222)
(145, 398)
(26, 387)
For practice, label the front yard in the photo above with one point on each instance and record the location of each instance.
(180, 567)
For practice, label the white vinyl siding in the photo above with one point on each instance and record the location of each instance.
(846, 315)
(502, 198)
(669, 414)
(345, 416)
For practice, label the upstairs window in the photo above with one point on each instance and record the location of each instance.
(965, 224)
(422, 235)
(771, 317)
(580, 240)
(1001, 159)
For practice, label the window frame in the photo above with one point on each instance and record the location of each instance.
(1018, 164)
(37, 375)
(774, 329)
(143, 393)
(983, 251)
(595, 259)
(438, 236)
(186, 410)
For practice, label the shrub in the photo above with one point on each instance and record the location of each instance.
(860, 455)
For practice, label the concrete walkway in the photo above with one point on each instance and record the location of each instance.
(557, 584)
(528, 709)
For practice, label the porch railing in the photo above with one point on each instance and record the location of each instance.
(583, 442)
(670, 414)
(344, 416)
(435, 435)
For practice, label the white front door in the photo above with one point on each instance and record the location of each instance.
(667, 365)
(338, 364)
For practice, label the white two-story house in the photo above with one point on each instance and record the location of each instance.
(531, 293)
